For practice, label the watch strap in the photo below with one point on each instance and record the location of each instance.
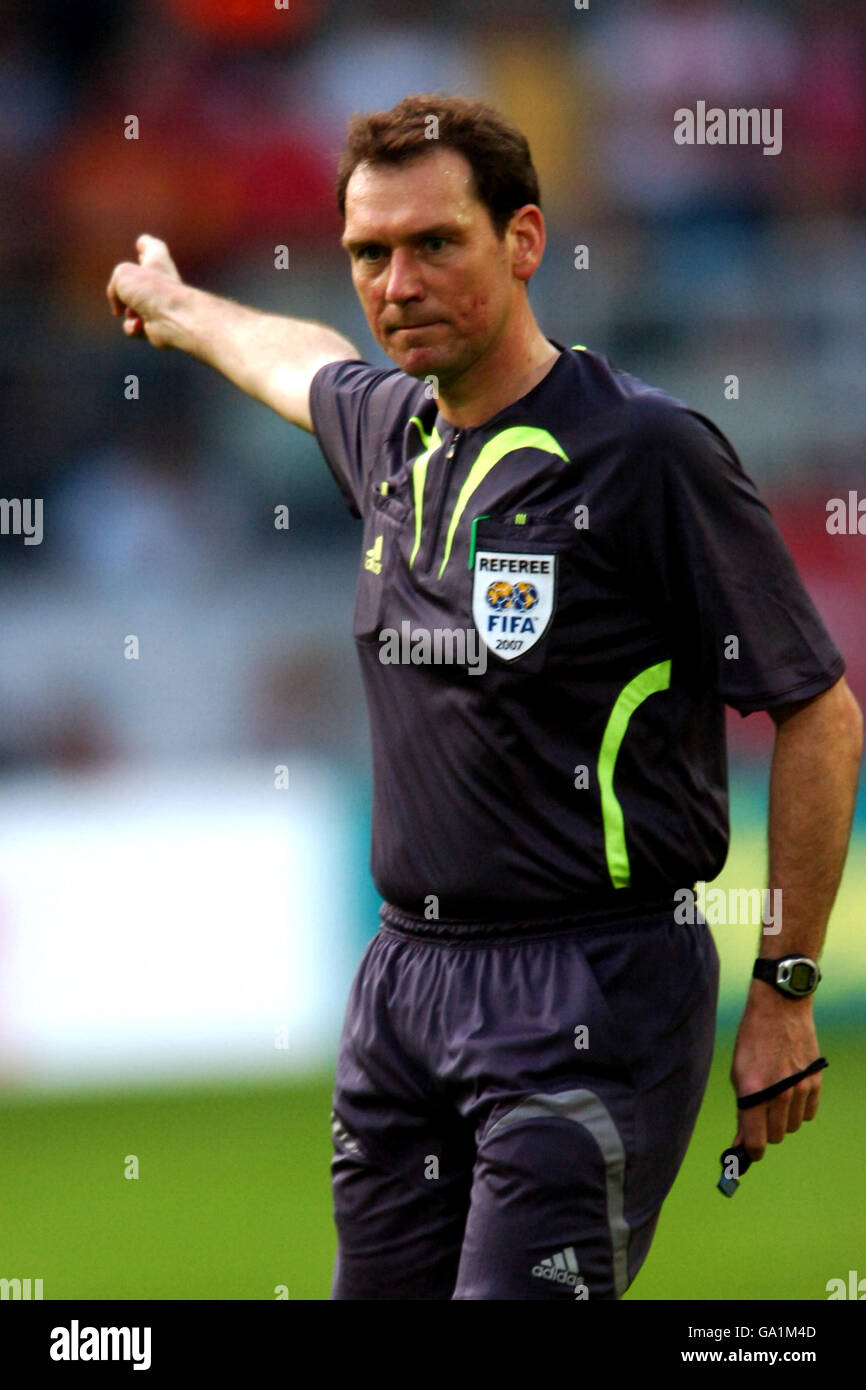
(765, 969)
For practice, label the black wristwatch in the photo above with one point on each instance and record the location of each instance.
(793, 976)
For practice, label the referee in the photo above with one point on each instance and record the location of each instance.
(565, 576)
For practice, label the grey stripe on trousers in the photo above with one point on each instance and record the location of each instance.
(585, 1108)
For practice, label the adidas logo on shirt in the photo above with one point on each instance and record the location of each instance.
(373, 556)
(560, 1268)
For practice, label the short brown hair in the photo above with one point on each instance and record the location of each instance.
(498, 153)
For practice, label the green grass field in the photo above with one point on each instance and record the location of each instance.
(233, 1195)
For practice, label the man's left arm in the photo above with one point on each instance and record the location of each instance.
(813, 785)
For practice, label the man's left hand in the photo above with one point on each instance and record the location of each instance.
(776, 1038)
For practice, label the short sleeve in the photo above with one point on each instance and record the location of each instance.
(354, 408)
(710, 551)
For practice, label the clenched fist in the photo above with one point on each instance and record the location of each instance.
(146, 293)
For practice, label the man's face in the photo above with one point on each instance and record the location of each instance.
(434, 280)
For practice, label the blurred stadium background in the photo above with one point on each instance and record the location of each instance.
(177, 935)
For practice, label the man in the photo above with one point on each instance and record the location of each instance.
(530, 1032)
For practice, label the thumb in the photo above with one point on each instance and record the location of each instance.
(153, 254)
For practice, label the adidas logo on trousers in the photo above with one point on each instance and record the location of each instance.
(559, 1269)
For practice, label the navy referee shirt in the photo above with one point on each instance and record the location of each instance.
(603, 578)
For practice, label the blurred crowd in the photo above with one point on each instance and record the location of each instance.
(703, 261)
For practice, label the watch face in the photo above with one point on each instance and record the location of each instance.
(801, 977)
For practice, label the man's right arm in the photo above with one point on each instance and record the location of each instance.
(269, 356)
